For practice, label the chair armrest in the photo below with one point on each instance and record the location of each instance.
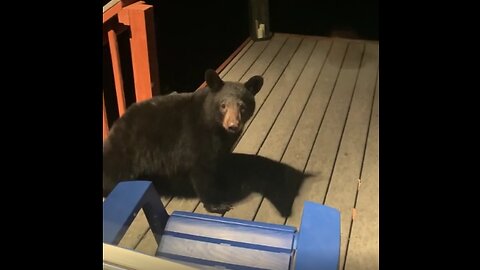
(122, 205)
(318, 240)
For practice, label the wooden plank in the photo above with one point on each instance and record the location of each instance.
(260, 126)
(236, 58)
(116, 257)
(117, 71)
(166, 200)
(143, 49)
(148, 245)
(342, 190)
(322, 156)
(181, 204)
(303, 138)
(237, 71)
(260, 67)
(109, 5)
(363, 247)
(228, 63)
(139, 227)
(200, 209)
(265, 59)
(112, 8)
(135, 232)
(335, 38)
(271, 75)
(281, 132)
(231, 256)
(302, 36)
(230, 58)
(258, 130)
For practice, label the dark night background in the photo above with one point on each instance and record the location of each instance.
(192, 36)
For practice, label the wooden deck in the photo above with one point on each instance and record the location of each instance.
(318, 112)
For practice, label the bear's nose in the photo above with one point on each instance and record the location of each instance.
(233, 126)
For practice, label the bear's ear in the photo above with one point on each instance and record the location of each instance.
(254, 84)
(213, 80)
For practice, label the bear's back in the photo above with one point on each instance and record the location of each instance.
(154, 136)
(159, 116)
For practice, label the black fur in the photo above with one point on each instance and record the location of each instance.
(178, 141)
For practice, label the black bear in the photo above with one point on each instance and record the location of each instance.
(177, 141)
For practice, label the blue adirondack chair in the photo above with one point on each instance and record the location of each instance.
(209, 242)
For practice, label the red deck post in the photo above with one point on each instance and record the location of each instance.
(139, 17)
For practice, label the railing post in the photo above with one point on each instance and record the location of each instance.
(139, 17)
(117, 71)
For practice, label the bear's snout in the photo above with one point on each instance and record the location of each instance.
(232, 120)
(233, 127)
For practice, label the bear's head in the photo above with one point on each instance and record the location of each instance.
(234, 101)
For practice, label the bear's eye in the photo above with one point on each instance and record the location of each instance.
(242, 107)
(223, 106)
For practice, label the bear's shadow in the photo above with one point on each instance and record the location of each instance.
(239, 175)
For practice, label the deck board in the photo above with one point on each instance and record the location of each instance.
(135, 232)
(317, 112)
(303, 138)
(265, 59)
(324, 151)
(272, 74)
(139, 227)
(363, 248)
(148, 245)
(237, 71)
(283, 129)
(344, 181)
(236, 58)
(261, 125)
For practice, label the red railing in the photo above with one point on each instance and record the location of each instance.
(118, 16)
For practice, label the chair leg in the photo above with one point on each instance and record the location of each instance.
(122, 205)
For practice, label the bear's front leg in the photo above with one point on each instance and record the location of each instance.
(220, 208)
(209, 192)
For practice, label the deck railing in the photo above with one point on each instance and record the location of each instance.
(137, 17)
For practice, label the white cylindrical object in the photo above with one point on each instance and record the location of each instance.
(261, 31)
